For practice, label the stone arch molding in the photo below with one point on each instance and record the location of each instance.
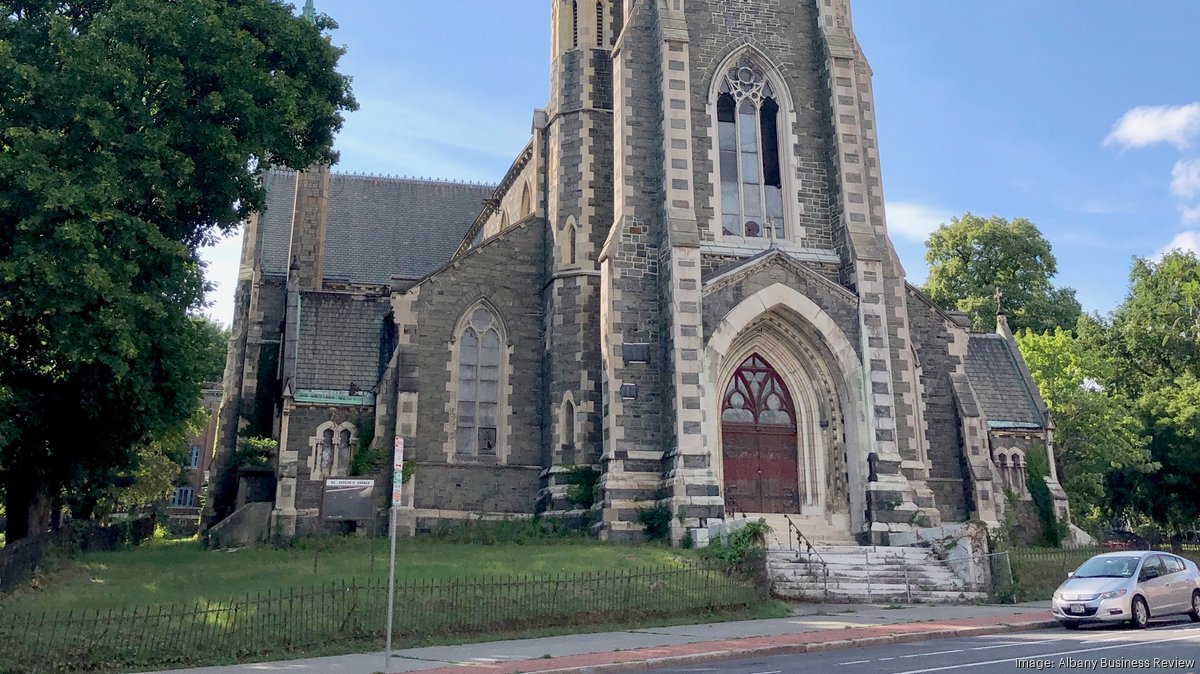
(814, 369)
(328, 450)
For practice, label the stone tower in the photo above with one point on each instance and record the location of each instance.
(578, 158)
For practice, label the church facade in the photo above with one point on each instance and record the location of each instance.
(684, 282)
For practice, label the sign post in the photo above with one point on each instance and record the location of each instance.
(397, 483)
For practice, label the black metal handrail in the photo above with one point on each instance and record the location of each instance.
(801, 537)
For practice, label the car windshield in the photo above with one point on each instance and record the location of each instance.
(1108, 567)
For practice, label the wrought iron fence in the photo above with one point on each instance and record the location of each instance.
(274, 622)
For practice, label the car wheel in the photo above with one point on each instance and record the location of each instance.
(1071, 625)
(1195, 612)
(1141, 614)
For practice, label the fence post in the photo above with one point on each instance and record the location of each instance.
(907, 587)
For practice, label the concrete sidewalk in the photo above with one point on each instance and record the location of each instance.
(809, 628)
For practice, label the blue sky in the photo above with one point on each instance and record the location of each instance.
(1081, 115)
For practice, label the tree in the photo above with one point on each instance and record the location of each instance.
(1098, 430)
(970, 257)
(130, 132)
(1154, 340)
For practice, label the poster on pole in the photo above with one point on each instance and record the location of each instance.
(348, 500)
(397, 471)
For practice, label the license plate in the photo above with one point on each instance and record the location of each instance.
(1078, 608)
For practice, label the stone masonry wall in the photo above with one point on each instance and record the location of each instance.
(782, 31)
(505, 271)
(932, 337)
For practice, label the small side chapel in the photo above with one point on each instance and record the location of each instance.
(684, 281)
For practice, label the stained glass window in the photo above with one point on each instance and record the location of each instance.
(748, 149)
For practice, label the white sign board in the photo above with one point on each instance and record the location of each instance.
(397, 471)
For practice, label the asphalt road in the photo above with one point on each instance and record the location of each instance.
(1165, 647)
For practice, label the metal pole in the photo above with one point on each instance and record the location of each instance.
(907, 587)
(387, 658)
(397, 483)
(867, 561)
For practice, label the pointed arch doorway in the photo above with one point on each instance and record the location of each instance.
(760, 460)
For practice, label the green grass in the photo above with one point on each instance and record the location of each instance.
(181, 571)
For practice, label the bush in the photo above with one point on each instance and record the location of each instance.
(583, 483)
(656, 522)
(745, 553)
(255, 451)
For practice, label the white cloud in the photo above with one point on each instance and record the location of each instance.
(1185, 178)
(222, 262)
(1189, 240)
(1190, 214)
(914, 220)
(1149, 125)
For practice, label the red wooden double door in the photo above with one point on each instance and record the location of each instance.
(758, 441)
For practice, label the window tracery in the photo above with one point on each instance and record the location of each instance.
(749, 161)
(478, 384)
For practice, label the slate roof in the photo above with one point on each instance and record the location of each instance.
(999, 386)
(343, 339)
(275, 222)
(377, 227)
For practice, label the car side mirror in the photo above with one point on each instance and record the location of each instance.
(1070, 574)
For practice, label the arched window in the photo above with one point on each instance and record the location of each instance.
(574, 24)
(503, 220)
(748, 143)
(478, 386)
(326, 463)
(568, 421)
(599, 23)
(345, 452)
(526, 202)
(1004, 476)
(572, 244)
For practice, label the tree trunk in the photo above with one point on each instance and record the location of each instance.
(26, 507)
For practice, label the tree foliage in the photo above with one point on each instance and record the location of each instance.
(1154, 340)
(970, 257)
(1098, 430)
(130, 131)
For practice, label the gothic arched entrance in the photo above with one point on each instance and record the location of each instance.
(758, 441)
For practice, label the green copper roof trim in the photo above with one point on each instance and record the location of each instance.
(309, 11)
(333, 397)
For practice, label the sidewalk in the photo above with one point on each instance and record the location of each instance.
(809, 628)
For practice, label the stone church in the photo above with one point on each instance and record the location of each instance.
(684, 281)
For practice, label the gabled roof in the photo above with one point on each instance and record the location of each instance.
(1000, 388)
(377, 227)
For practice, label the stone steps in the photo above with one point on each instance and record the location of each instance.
(866, 574)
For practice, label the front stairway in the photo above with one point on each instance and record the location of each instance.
(864, 574)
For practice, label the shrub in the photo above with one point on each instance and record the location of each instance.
(255, 451)
(655, 521)
(582, 486)
(507, 531)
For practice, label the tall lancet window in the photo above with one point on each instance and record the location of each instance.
(748, 140)
(479, 384)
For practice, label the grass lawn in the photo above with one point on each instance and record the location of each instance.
(180, 571)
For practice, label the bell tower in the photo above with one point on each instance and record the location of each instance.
(577, 128)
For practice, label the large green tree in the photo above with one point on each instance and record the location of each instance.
(130, 132)
(1154, 340)
(1099, 431)
(970, 257)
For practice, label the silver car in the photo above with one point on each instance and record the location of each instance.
(1128, 586)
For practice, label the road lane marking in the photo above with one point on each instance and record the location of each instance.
(921, 655)
(776, 671)
(854, 662)
(964, 665)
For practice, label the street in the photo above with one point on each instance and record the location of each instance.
(1166, 646)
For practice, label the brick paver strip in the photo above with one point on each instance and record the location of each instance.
(732, 649)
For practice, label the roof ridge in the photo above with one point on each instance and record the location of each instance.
(283, 170)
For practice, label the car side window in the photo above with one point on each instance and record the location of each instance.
(1172, 564)
(1151, 569)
